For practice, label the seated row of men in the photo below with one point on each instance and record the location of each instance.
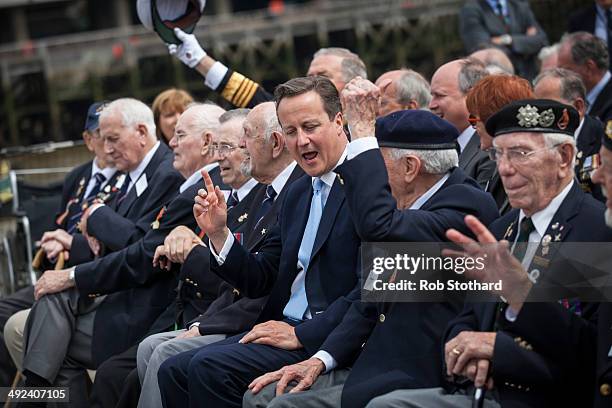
(256, 288)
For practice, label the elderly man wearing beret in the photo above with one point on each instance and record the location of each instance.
(501, 346)
(414, 192)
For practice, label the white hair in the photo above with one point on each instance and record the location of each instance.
(434, 161)
(555, 139)
(412, 85)
(206, 117)
(547, 52)
(132, 112)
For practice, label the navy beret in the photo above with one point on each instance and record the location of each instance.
(93, 114)
(415, 129)
(534, 115)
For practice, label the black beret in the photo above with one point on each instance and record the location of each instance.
(607, 136)
(415, 129)
(534, 115)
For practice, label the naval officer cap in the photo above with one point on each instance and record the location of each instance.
(417, 130)
(163, 16)
(534, 115)
(93, 115)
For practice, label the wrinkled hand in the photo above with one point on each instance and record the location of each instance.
(304, 373)
(94, 244)
(189, 52)
(499, 264)
(187, 334)
(53, 248)
(210, 212)
(477, 372)
(467, 346)
(360, 101)
(160, 259)
(273, 333)
(179, 243)
(52, 282)
(59, 235)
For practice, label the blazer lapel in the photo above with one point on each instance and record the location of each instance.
(332, 206)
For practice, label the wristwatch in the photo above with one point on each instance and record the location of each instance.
(71, 275)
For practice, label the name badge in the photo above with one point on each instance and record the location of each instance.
(141, 185)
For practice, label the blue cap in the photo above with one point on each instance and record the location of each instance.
(415, 129)
(93, 113)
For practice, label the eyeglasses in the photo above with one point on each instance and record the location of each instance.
(473, 120)
(223, 149)
(515, 155)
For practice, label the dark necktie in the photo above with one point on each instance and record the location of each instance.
(520, 248)
(499, 10)
(124, 189)
(609, 32)
(266, 204)
(232, 200)
(74, 219)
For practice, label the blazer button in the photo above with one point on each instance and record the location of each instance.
(605, 390)
(199, 295)
(381, 318)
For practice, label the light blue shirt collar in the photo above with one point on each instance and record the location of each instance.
(418, 203)
(137, 172)
(504, 5)
(196, 176)
(594, 93)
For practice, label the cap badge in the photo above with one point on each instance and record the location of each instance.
(528, 116)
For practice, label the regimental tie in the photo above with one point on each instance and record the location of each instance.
(298, 302)
(266, 204)
(499, 10)
(232, 200)
(73, 221)
(520, 249)
(124, 188)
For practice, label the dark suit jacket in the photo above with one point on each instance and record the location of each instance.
(74, 188)
(604, 361)
(133, 216)
(403, 349)
(231, 312)
(138, 293)
(589, 142)
(527, 357)
(333, 270)
(583, 20)
(478, 23)
(476, 163)
(198, 288)
(602, 107)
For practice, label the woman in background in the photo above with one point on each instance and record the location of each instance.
(167, 107)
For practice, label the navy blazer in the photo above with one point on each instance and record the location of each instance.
(333, 269)
(232, 313)
(133, 216)
(528, 368)
(74, 187)
(138, 293)
(602, 107)
(476, 163)
(583, 19)
(399, 342)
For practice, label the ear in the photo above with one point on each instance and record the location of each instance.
(411, 167)
(143, 132)
(413, 105)
(339, 121)
(580, 105)
(206, 142)
(278, 144)
(567, 152)
(88, 141)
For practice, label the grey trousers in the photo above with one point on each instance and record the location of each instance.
(153, 351)
(326, 392)
(57, 341)
(426, 398)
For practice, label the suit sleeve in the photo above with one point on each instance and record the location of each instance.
(132, 266)
(377, 218)
(524, 44)
(105, 223)
(241, 91)
(253, 274)
(473, 31)
(232, 317)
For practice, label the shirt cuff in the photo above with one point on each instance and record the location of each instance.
(220, 257)
(511, 315)
(356, 147)
(327, 359)
(215, 75)
(196, 324)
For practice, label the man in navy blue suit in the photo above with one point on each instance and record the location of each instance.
(308, 263)
(415, 191)
(534, 150)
